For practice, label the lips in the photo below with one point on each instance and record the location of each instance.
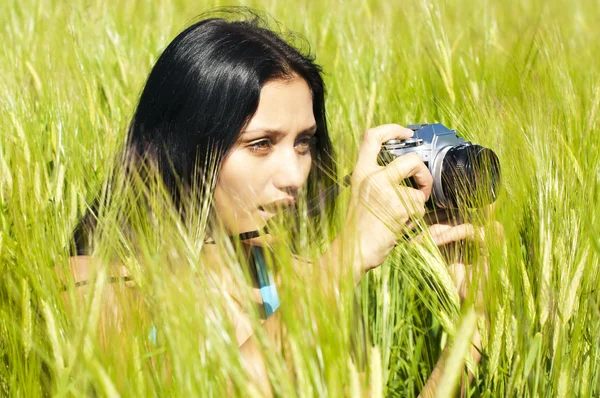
(273, 208)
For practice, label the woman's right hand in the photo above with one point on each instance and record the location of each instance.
(380, 206)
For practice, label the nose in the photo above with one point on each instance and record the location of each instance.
(290, 173)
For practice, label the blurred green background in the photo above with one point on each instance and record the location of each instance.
(519, 77)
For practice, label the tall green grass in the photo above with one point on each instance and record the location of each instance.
(521, 78)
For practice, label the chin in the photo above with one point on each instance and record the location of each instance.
(255, 222)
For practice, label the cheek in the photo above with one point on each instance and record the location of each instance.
(237, 183)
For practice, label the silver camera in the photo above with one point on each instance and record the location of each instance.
(463, 174)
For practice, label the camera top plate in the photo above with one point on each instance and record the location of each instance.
(426, 137)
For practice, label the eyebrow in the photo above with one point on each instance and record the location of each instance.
(279, 132)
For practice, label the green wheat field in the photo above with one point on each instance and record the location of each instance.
(522, 78)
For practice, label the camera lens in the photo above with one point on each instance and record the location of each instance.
(470, 176)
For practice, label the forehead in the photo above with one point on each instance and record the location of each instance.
(284, 105)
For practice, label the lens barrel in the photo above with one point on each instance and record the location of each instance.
(470, 176)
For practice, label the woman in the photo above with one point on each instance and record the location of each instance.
(236, 95)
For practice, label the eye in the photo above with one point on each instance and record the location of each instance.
(305, 143)
(261, 147)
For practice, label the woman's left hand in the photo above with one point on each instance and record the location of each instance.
(454, 236)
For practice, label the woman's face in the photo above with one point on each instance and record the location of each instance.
(271, 160)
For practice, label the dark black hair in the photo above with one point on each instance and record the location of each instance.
(203, 90)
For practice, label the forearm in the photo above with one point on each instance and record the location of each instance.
(431, 386)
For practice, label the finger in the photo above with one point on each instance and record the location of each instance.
(408, 205)
(374, 137)
(459, 233)
(438, 229)
(431, 232)
(396, 208)
(411, 165)
(458, 272)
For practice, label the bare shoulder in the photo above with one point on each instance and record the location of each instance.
(119, 297)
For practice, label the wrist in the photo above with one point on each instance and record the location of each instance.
(345, 256)
(362, 243)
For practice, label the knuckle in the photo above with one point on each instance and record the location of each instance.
(390, 126)
(419, 207)
(401, 163)
(413, 199)
(415, 211)
(377, 133)
(371, 133)
(414, 157)
(419, 196)
(408, 160)
(396, 126)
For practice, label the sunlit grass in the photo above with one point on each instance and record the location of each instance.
(522, 79)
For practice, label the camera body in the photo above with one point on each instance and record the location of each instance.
(463, 174)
